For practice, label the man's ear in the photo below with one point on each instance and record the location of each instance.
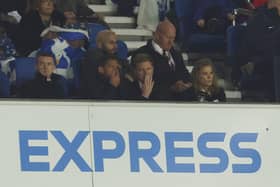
(100, 69)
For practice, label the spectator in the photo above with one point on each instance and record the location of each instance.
(143, 87)
(7, 53)
(125, 7)
(148, 15)
(34, 22)
(205, 86)
(169, 69)
(75, 9)
(106, 80)
(260, 45)
(106, 44)
(46, 84)
(213, 16)
(4, 85)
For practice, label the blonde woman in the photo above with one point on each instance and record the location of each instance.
(205, 88)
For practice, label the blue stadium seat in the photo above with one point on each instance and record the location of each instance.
(25, 70)
(122, 50)
(4, 85)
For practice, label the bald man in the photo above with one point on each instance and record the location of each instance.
(106, 45)
(169, 69)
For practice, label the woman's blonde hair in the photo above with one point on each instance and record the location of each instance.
(196, 71)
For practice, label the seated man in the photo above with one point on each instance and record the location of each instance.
(105, 81)
(260, 46)
(46, 84)
(213, 16)
(106, 44)
(143, 87)
(169, 69)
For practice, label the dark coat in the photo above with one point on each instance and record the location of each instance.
(30, 27)
(100, 88)
(132, 91)
(39, 87)
(201, 7)
(218, 96)
(163, 74)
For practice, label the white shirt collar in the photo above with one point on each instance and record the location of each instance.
(157, 48)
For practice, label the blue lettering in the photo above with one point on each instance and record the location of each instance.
(26, 151)
(146, 154)
(172, 152)
(71, 151)
(212, 152)
(100, 153)
(245, 153)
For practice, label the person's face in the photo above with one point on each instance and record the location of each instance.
(110, 68)
(144, 69)
(45, 66)
(206, 77)
(166, 39)
(46, 7)
(110, 45)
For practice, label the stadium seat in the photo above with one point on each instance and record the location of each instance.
(122, 50)
(4, 85)
(24, 69)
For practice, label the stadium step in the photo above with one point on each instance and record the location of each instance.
(133, 34)
(105, 10)
(120, 22)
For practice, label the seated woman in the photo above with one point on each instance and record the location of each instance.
(46, 84)
(205, 88)
(34, 22)
(143, 87)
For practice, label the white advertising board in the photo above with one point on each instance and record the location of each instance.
(122, 144)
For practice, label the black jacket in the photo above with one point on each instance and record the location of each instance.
(100, 88)
(163, 74)
(39, 87)
(132, 91)
(30, 27)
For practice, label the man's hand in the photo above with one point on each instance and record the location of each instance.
(147, 86)
(115, 79)
(201, 23)
(180, 86)
(230, 17)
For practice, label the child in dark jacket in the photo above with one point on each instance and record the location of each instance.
(46, 84)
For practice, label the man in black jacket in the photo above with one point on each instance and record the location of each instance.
(105, 82)
(261, 44)
(169, 68)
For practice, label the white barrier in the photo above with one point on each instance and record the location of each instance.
(121, 144)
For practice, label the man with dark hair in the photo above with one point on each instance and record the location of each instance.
(143, 87)
(105, 81)
(46, 84)
(169, 68)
